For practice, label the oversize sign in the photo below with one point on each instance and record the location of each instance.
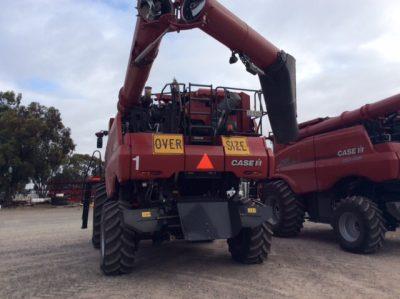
(166, 144)
(236, 146)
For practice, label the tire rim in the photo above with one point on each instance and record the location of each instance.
(349, 227)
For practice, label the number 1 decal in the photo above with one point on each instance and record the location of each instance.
(137, 162)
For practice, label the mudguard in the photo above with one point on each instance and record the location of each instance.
(202, 220)
(211, 220)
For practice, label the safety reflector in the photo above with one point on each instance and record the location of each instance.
(205, 163)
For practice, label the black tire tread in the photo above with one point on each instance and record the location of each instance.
(375, 223)
(120, 243)
(99, 199)
(292, 210)
(256, 247)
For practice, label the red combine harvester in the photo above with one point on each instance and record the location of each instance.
(344, 171)
(187, 163)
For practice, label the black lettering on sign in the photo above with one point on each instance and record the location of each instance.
(236, 146)
(179, 144)
(172, 143)
(168, 144)
(242, 146)
(229, 145)
(158, 144)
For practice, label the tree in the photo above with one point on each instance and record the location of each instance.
(76, 167)
(53, 146)
(15, 168)
(9, 100)
(33, 144)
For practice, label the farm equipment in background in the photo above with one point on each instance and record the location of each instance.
(187, 163)
(65, 192)
(344, 171)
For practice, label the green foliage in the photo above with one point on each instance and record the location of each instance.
(9, 100)
(33, 144)
(76, 167)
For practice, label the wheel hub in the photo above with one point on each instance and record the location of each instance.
(349, 227)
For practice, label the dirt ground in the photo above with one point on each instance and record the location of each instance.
(45, 254)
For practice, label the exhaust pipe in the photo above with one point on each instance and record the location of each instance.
(278, 76)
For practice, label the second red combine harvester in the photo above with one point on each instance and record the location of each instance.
(344, 171)
(187, 163)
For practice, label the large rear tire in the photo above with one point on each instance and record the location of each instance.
(118, 244)
(288, 212)
(359, 225)
(252, 245)
(99, 200)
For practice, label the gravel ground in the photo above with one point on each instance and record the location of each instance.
(45, 254)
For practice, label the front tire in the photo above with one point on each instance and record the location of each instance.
(359, 225)
(252, 245)
(118, 244)
(288, 212)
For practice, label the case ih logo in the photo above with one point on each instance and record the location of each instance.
(247, 163)
(351, 151)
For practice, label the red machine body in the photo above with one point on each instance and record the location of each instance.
(133, 156)
(252, 166)
(344, 171)
(188, 163)
(157, 18)
(370, 111)
(317, 163)
(336, 148)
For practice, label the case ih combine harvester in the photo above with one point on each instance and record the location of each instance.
(344, 171)
(187, 164)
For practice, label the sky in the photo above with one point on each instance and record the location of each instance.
(72, 54)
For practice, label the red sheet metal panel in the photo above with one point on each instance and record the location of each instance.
(349, 118)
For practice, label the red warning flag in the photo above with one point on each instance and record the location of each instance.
(205, 163)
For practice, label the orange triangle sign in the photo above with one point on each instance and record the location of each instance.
(205, 163)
